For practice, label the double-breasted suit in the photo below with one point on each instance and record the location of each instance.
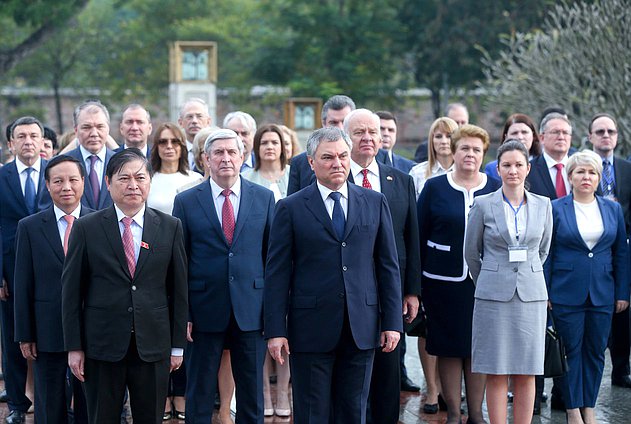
(329, 295)
(225, 286)
(12, 209)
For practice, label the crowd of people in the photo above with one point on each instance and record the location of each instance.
(174, 272)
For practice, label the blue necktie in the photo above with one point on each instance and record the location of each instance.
(607, 184)
(339, 222)
(29, 192)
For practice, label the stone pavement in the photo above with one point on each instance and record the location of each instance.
(613, 407)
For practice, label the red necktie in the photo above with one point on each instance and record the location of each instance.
(365, 182)
(227, 216)
(70, 220)
(560, 183)
(128, 245)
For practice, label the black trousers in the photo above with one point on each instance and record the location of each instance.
(385, 388)
(105, 384)
(619, 344)
(49, 372)
(14, 365)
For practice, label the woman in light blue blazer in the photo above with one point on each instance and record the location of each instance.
(507, 241)
(587, 274)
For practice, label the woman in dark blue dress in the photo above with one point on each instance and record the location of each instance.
(447, 289)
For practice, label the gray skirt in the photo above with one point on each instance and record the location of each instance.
(508, 337)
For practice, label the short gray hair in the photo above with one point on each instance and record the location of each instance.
(347, 119)
(549, 117)
(26, 120)
(584, 158)
(222, 134)
(337, 102)
(451, 106)
(136, 106)
(91, 106)
(329, 134)
(194, 100)
(245, 118)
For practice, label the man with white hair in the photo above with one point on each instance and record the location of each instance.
(194, 116)
(245, 126)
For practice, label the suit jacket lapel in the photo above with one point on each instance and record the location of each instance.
(570, 217)
(609, 221)
(387, 182)
(544, 174)
(532, 210)
(51, 233)
(13, 182)
(313, 202)
(245, 206)
(113, 235)
(207, 204)
(355, 201)
(149, 232)
(104, 191)
(497, 206)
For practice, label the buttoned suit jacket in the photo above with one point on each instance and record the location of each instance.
(313, 277)
(398, 187)
(487, 243)
(575, 272)
(12, 209)
(105, 200)
(102, 302)
(39, 264)
(223, 278)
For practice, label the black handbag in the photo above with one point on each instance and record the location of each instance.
(555, 360)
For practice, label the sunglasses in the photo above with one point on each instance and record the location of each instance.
(602, 132)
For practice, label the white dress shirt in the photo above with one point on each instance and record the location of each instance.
(99, 165)
(373, 175)
(589, 222)
(550, 163)
(330, 203)
(21, 169)
(62, 224)
(219, 199)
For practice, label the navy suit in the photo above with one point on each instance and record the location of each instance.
(39, 264)
(397, 162)
(105, 200)
(122, 147)
(300, 173)
(331, 297)
(12, 209)
(225, 284)
(583, 285)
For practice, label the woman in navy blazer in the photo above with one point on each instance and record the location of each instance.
(587, 274)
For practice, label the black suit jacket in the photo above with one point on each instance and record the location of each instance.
(105, 200)
(101, 302)
(398, 162)
(539, 181)
(300, 173)
(622, 173)
(37, 289)
(398, 188)
(12, 209)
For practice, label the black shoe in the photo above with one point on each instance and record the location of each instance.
(408, 386)
(430, 408)
(557, 403)
(623, 381)
(3, 396)
(15, 417)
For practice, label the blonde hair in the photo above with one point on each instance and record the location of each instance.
(584, 158)
(472, 131)
(444, 125)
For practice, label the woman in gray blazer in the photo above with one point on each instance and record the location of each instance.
(507, 241)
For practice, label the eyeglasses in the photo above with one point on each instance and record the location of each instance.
(601, 132)
(556, 133)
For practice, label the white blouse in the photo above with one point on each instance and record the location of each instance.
(589, 222)
(418, 174)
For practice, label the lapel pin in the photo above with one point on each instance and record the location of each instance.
(389, 178)
(144, 245)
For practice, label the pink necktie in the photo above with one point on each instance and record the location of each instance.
(560, 183)
(227, 216)
(70, 220)
(128, 245)
(365, 182)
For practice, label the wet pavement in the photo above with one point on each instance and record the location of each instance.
(613, 407)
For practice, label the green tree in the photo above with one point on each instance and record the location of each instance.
(580, 60)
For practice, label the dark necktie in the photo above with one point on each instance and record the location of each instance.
(560, 183)
(607, 183)
(339, 222)
(69, 220)
(128, 245)
(29, 192)
(94, 181)
(365, 182)
(227, 217)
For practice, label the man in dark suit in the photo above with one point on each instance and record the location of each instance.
(22, 193)
(124, 306)
(616, 185)
(363, 128)
(333, 113)
(332, 286)
(41, 244)
(226, 224)
(388, 125)
(135, 127)
(92, 127)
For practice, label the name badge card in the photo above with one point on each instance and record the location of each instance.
(517, 253)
